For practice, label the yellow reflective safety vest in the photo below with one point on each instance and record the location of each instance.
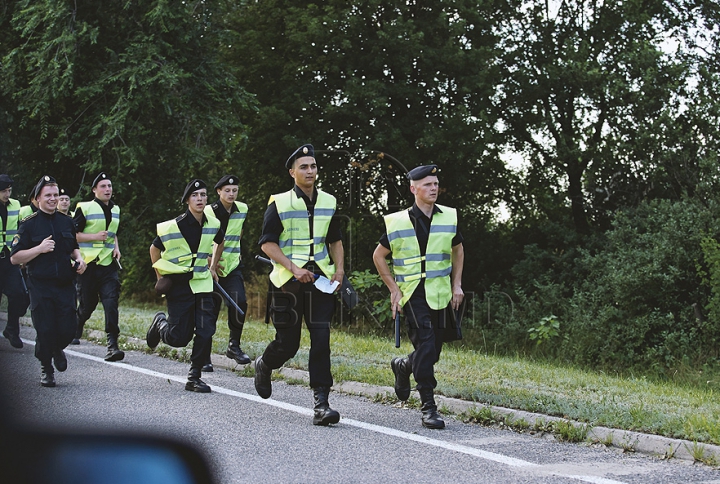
(177, 258)
(11, 226)
(408, 261)
(231, 253)
(295, 241)
(94, 223)
(25, 210)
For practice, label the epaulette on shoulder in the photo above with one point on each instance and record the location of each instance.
(29, 216)
(180, 217)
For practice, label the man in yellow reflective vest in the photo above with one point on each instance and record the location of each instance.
(30, 208)
(185, 264)
(427, 257)
(11, 282)
(302, 237)
(96, 226)
(231, 215)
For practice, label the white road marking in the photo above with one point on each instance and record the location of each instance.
(463, 449)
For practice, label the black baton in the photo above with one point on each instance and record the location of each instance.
(227, 297)
(263, 260)
(397, 329)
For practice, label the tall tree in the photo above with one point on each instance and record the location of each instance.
(584, 92)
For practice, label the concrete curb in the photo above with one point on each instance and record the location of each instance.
(653, 445)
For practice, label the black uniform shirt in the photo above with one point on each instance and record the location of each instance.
(223, 215)
(421, 223)
(54, 266)
(273, 227)
(80, 221)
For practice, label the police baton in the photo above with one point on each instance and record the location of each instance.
(227, 297)
(397, 329)
(263, 260)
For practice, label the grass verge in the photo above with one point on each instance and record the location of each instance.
(670, 409)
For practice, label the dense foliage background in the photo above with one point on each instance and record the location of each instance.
(579, 141)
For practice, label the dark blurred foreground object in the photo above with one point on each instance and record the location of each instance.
(85, 458)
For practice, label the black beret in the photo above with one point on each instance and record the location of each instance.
(46, 180)
(101, 176)
(194, 185)
(422, 171)
(5, 181)
(33, 193)
(63, 192)
(304, 150)
(227, 180)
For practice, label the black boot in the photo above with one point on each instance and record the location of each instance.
(324, 415)
(263, 381)
(208, 367)
(234, 352)
(47, 375)
(153, 334)
(78, 334)
(113, 353)
(13, 338)
(401, 368)
(194, 383)
(60, 360)
(430, 416)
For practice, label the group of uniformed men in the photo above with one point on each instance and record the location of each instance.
(200, 249)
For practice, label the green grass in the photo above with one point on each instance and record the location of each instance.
(673, 409)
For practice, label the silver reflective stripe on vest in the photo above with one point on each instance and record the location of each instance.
(95, 216)
(442, 228)
(428, 275)
(401, 233)
(323, 212)
(232, 238)
(293, 214)
(171, 236)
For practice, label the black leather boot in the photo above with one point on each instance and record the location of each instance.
(113, 353)
(60, 360)
(194, 383)
(263, 382)
(324, 415)
(153, 334)
(234, 352)
(208, 367)
(430, 416)
(47, 375)
(13, 338)
(401, 368)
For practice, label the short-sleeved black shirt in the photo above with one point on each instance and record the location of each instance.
(273, 227)
(223, 215)
(55, 266)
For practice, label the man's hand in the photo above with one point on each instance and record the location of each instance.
(338, 276)
(47, 245)
(303, 275)
(395, 297)
(457, 297)
(101, 236)
(116, 254)
(81, 267)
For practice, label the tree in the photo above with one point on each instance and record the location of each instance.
(135, 88)
(584, 93)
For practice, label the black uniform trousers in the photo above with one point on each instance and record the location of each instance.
(12, 285)
(99, 283)
(52, 307)
(234, 285)
(190, 314)
(426, 328)
(288, 308)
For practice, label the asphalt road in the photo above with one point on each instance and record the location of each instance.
(248, 439)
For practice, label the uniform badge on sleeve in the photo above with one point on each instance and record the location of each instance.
(16, 239)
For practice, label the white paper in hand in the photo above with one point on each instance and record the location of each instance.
(325, 285)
